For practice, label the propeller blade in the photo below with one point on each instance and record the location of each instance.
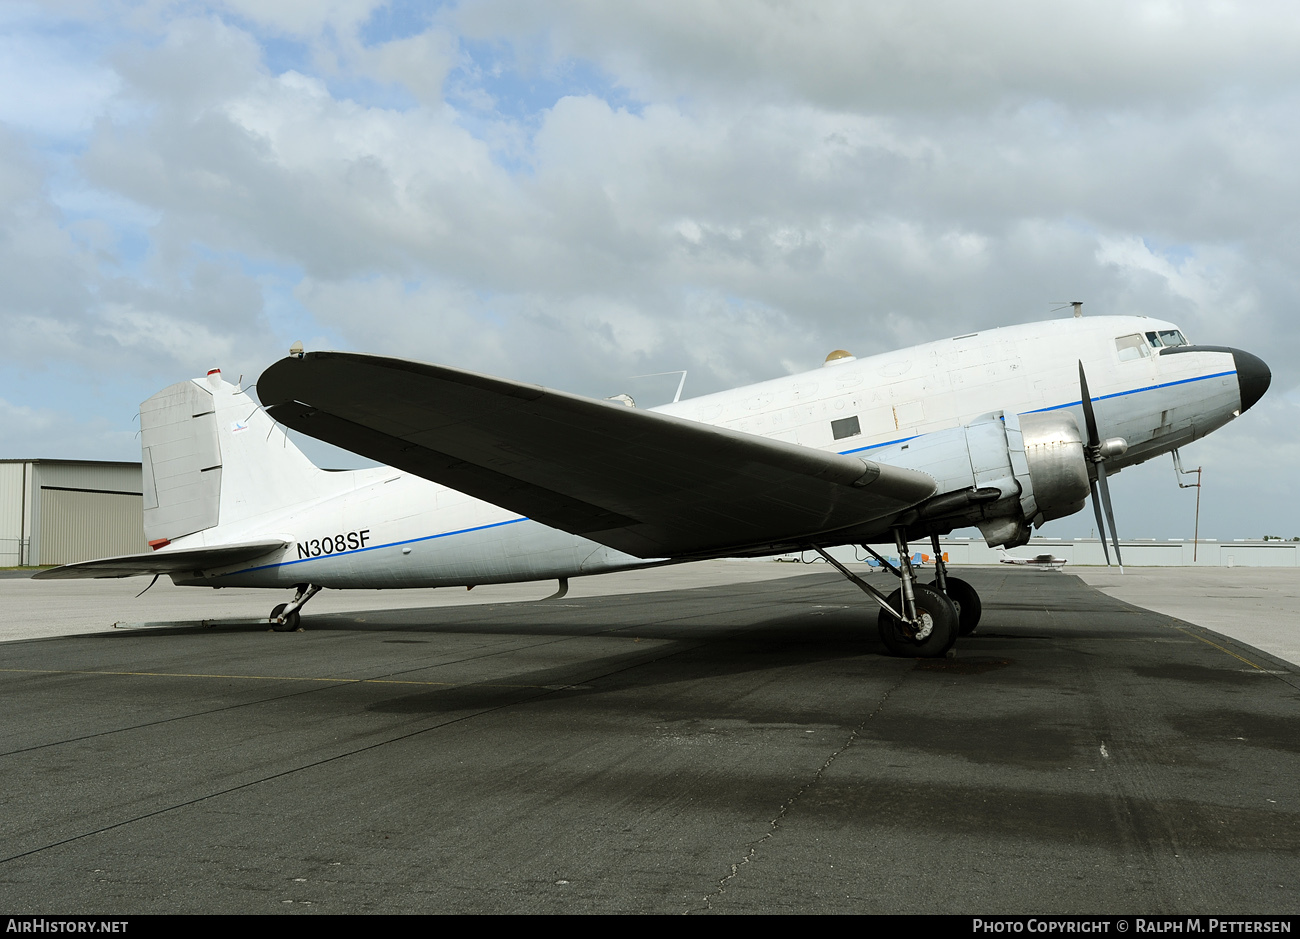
(1094, 439)
(1101, 526)
(1094, 453)
(1110, 514)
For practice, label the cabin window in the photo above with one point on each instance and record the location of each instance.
(846, 427)
(1131, 347)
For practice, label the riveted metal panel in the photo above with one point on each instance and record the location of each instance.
(183, 481)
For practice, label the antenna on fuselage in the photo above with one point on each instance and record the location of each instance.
(680, 385)
(1077, 304)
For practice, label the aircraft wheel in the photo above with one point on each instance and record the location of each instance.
(290, 623)
(967, 601)
(935, 610)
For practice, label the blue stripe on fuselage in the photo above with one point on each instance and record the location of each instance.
(1057, 407)
(1120, 394)
(878, 445)
(374, 547)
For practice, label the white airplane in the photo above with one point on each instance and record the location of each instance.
(493, 481)
(1046, 562)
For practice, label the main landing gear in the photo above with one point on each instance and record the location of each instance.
(919, 620)
(284, 617)
(962, 594)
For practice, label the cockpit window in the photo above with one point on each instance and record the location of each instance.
(1131, 347)
(1166, 338)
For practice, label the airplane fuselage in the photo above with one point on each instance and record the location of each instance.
(380, 527)
(1156, 402)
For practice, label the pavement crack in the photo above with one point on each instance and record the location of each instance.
(774, 825)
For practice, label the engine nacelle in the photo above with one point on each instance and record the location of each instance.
(1004, 473)
(1058, 468)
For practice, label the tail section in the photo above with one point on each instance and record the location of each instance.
(211, 456)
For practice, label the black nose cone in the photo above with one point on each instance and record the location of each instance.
(1253, 377)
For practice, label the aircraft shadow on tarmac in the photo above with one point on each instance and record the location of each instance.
(680, 636)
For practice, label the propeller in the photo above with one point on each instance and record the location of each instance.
(1098, 451)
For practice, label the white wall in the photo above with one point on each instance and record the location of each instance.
(1088, 551)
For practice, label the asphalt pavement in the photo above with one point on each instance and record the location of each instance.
(734, 747)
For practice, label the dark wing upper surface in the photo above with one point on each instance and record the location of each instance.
(641, 482)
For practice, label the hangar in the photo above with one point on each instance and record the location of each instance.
(60, 511)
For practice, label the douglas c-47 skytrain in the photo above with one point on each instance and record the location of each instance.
(489, 480)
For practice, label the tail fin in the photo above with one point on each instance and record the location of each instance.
(210, 455)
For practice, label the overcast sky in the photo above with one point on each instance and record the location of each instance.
(575, 193)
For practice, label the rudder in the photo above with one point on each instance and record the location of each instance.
(211, 456)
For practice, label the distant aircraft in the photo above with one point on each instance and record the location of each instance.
(1046, 562)
(489, 480)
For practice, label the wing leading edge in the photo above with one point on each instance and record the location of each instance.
(638, 481)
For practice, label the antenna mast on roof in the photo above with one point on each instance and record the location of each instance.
(1077, 304)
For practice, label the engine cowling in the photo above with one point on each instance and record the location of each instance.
(1003, 473)
(1058, 467)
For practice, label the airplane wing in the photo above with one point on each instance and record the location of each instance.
(638, 481)
(177, 561)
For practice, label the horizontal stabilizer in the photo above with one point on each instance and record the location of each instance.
(645, 483)
(178, 561)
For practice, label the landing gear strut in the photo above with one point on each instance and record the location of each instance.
(284, 617)
(962, 594)
(928, 626)
(916, 620)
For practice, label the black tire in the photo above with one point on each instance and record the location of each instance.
(967, 601)
(934, 608)
(290, 623)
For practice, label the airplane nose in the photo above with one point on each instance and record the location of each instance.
(1253, 377)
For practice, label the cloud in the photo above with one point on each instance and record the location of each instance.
(49, 90)
(304, 18)
(44, 273)
(52, 434)
(418, 63)
(944, 55)
(574, 193)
